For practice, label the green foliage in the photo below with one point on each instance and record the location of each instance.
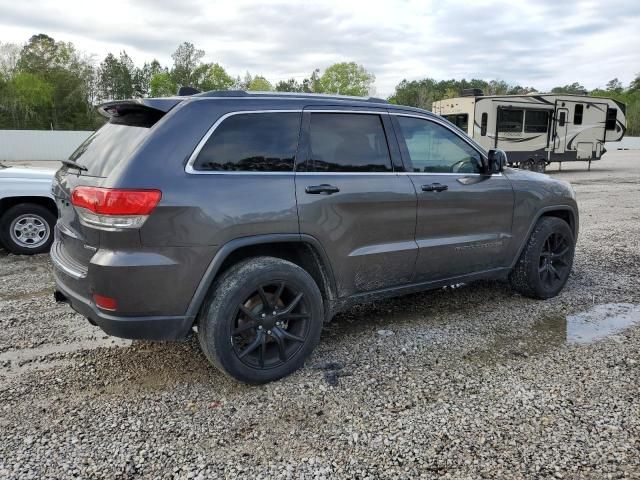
(575, 89)
(162, 85)
(187, 64)
(49, 84)
(259, 84)
(630, 97)
(117, 77)
(346, 78)
(215, 78)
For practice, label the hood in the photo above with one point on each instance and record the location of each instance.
(531, 181)
(27, 172)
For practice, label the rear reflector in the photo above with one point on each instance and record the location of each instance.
(114, 209)
(105, 303)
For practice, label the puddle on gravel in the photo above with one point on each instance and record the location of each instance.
(553, 331)
(595, 324)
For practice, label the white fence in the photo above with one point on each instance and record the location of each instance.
(35, 145)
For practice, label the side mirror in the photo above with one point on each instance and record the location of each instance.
(496, 161)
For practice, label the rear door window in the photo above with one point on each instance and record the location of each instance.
(347, 142)
(252, 142)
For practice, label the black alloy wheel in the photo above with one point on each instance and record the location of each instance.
(270, 326)
(555, 260)
(546, 260)
(263, 318)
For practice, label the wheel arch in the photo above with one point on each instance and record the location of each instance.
(47, 202)
(564, 212)
(303, 250)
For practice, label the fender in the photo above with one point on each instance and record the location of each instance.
(233, 245)
(539, 214)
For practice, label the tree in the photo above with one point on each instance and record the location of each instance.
(186, 60)
(635, 84)
(290, 85)
(575, 88)
(346, 78)
(259, 84)
(69, 73)
(216, 78)
(28, 99)
(615, 85)
(9, 56)
(162, 85)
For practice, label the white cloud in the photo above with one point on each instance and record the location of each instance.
(542, 43)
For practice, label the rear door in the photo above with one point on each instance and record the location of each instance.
(353, 198)
(464, 217)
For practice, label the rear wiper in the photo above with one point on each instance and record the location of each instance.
(72, 164)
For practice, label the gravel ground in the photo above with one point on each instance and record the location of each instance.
(470, 382)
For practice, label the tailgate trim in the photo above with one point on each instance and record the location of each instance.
(63, 262)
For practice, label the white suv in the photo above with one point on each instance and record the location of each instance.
(27, 209)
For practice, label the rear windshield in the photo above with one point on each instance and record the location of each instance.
(107, 147)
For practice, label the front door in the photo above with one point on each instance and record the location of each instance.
(464, 217)
(560, 130)
(351, 198)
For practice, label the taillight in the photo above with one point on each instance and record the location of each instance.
(114, 209)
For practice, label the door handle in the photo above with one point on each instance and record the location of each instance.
(434, 187)
(324, 188)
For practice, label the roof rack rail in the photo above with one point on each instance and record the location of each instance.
(244, 93)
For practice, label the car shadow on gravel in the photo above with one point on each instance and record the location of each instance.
(432, 308)
(146, 366)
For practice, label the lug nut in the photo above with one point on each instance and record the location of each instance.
(274, 312)
(264, 315)
(268, 332)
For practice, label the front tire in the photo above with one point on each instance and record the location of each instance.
(262, 320)
(27, 229)
(545, 263)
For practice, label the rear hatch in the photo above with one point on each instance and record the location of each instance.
(129, 124)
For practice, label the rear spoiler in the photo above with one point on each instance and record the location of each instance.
(119, 108)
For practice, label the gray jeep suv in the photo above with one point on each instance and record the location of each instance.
(256, 217)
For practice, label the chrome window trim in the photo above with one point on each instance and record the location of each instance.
(189, 167)
(192, 158)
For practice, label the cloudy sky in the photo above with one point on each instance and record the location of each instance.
(536, 43)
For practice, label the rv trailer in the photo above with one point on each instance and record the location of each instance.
(537, 129)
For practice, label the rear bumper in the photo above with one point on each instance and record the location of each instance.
(137, 328)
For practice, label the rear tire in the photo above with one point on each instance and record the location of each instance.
(545, 263)
(262, 319)
(541, 166)
(528, 164)
(27, 229)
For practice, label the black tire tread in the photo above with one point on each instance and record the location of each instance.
(19, 209)
(523, 276)
(223, 288)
